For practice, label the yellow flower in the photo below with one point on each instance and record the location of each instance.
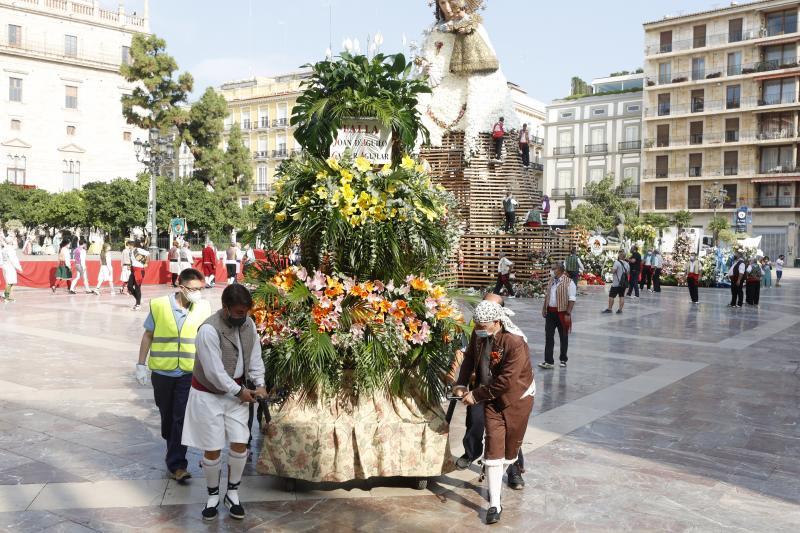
(354, 220)
(304, 200)
(437, 292)
(336, 197)
(269, 206)
(280, 217)
(322, 192)
(347, 177)
(386, 168)
(322, 175)
(407, 163)
(363, 164)
(363, 200)
(334, 164)
(347, 193)
(297, 216)
(420, 168)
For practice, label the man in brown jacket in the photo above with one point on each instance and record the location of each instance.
(498, 355)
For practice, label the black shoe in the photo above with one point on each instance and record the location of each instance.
(210, 513)
(563, 364)
(235, 510)
(607, 312)
(493, 515)
(463, 462)
(515, 480)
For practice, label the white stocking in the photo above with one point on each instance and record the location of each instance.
(236, 462)
(212, 469)
(494, 475)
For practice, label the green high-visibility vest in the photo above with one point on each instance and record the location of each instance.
(571, 264)
(173, 349)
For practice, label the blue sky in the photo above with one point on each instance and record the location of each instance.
(541, 44)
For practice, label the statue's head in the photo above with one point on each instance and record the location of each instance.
(447, 10)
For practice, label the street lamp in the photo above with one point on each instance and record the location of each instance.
(715, 196)
(154, 153)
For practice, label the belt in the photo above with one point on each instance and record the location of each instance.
(552, 309)
(202, 388)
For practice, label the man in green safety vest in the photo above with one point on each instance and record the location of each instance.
(573, 265)
(169, 338)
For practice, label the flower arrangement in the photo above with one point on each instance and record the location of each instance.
(371, 223)
(325, 333)
(747, 252)
(592, 279)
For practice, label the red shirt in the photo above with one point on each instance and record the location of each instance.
(209, 256)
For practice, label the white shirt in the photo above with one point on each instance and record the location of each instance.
(779, 265)
(504, 266)
(619, 270)
(65, 255)
(207, 352)
(138, 251)
(572, 292)
(741, 268)
(657, 261)
(691, 268)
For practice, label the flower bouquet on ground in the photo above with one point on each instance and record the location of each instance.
(588, 278)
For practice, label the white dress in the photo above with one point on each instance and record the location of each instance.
(10, 264)
(486, 95)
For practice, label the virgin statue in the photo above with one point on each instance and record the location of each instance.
(469, 91)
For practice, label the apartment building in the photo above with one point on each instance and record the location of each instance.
(262, 108)
(61, 122)
(590, 136)
(721, 106)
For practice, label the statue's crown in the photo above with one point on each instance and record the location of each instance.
(471, 5)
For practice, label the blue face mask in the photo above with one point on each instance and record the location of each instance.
(482, 333)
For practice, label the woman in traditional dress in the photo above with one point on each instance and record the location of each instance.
(470, 92)
(63, 272)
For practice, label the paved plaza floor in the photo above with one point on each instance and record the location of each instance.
(670, 417)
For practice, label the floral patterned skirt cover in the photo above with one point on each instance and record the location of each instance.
(331, 441)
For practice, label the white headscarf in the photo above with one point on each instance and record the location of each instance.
(492, 312)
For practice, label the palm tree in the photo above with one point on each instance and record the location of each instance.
(357, 87)
(682, 219)
(658, 221)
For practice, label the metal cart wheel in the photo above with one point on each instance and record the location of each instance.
(422, 483)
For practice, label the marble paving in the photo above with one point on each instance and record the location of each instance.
(670, 417)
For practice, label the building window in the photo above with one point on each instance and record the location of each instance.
(662, 166)
(126, 136)
(566, 115)
(562, 212)
(698, 68)
(698, 99)
(776, 159)
(734, 63)
(596, 174)
(244, 201)
(126, 55)
(664, 104)
(776, 195)
(15, 89)
(71, 45)
(564, 179)
(778, 92)
(15, 169)
(661, 197)
(696, 132)
(70, 130)
(730, 163)
(71, 97)
(598, 111)
(731, 130)
(631, 174)
(731, 193)
(665, 72)
(735, 30)
(71, 175)
(261, 183)
(633, 108)
(665, 39)
(695, 165)
(245, 119)
(781, 22)
(263, 118)
(733, 96)
(783, 56)
(16, 124)
(662, 135)
(699, 32)
(14, 35)
(693, 196)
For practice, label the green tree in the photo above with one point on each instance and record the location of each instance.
(716, 225)
(67, 210)
(660, 222)
(238, 172)
(117, 206)
(604, 203)
(682, 219)
(154, 102)
(355, 86)
(204, 211)
(567, 205)
(203, 136)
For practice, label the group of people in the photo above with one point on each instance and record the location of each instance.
(523, 141)
(747, 276)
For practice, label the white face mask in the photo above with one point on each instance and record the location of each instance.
(192, 297)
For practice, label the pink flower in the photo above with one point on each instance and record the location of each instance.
(348, 284)
(302, 274)
(379, 287)
(390, 286)
(319, 282)
(423, 335)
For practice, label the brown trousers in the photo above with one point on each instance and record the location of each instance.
(505, 429)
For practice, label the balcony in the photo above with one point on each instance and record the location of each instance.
(562, 193)
(262, 124)
(730, 171)
(718, 39)
(769, 135)
(629, 146)
(732, 136)
(684, 173)
(631, 192)
(261, 188)
(785, 168)
(261, 155)
(708, 106)
(714, 73)
(537, 166)
(280, 154)
(561, 151)
(596, 148)
(245, 124)
(280, 123)
(537, 140)
(87, 56)
(777, 99)
(695, 172)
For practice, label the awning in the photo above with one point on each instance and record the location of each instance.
(791, 72)
(776, 179)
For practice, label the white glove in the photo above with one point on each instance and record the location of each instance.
(141, 374)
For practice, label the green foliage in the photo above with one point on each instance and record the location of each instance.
(657, 220)
(716, 226)
(604, 93)
(604, 202)
(356, 86)
(369, 225)
(203, 136)
(642, 232)
(567, 205)
(117, 205)
(238, 171)
(204, 210)
(29, 206)
(158, 93)
(682, 219)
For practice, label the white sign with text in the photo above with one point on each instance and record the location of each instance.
(365, 138)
